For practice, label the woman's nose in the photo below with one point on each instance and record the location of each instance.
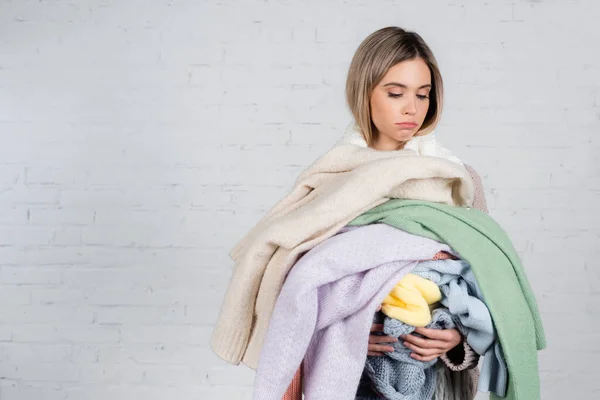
(409, 107)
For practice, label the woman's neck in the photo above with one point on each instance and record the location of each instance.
(384, 143)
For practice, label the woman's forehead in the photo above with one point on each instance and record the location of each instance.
(408, 74)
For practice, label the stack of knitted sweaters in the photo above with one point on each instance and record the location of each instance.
(351, 234)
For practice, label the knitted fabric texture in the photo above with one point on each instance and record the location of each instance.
(427, 145)
(345, 182)
(466, 379)
(294, 391)
(470, 358)
(480, 241)
(462, 357)
(462, 296)
(396, 375)
(479, 202)
(325, 310)
(450, 385)
(457, 372)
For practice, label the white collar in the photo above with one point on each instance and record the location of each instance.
(426, 145)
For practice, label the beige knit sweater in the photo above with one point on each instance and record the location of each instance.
(342, 184)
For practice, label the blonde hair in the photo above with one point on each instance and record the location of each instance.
(380, 51)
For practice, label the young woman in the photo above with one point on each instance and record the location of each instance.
(394, 90)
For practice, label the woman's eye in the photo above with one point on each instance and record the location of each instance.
(396, 95)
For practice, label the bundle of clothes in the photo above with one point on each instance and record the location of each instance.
(361, 230)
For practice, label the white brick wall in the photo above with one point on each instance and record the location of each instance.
(141, 139)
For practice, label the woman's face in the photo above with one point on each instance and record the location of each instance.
(399, 104)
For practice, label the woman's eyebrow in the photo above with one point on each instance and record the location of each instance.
(402, 85)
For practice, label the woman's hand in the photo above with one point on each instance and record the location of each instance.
(376, 348)
(435, 343)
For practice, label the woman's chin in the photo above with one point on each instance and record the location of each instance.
(404, 136)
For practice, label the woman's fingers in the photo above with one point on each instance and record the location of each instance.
(425, 343)
(377, 344)
(380, 348)
(440, 334)
(382, 339)
(422, 351)
(436, 342)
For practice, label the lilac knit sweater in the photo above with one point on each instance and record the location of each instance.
(324, 311)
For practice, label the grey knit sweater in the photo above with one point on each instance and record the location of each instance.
(398, 376)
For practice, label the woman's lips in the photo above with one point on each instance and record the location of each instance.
(406, 124)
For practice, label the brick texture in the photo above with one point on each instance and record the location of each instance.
(142, 139)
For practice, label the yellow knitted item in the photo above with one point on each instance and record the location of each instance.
(409, 300)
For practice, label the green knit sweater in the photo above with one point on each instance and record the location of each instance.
(496, 265)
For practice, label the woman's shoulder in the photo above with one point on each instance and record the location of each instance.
(479, 201)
